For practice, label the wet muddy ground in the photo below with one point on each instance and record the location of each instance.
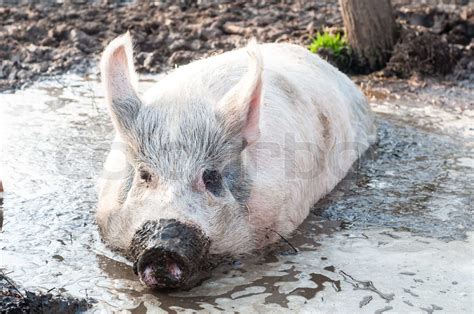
(396, 234)
(50, 38)
(17, 300)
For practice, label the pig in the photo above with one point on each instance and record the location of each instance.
(222, 156)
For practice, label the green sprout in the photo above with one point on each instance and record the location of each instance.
(335, 43)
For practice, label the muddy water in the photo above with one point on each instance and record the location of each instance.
(396, 234)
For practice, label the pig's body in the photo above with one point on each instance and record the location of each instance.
(313, 124)
(305, 100)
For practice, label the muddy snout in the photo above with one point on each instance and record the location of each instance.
(169, 254)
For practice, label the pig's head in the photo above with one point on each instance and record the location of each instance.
(183, 197)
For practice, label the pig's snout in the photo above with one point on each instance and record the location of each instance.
(169, 254)
(160, 268)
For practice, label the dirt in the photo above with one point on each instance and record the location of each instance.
(47, 39)
(433, 41)
(406, 211)
(51, 39)
(12, 300)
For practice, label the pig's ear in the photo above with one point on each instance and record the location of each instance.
(241, 105)
(120, 81)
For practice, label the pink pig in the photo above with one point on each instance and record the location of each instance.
(222, 154)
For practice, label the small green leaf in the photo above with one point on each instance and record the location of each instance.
(335, 43)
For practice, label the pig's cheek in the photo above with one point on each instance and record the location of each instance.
(256, 217)
(211, 200)
(198, 183)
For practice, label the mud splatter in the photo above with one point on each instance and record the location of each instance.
(411, 293)
(431, 309)
(366, 285)
(366, 300)
(385, 309)
(12, 300)
(326, 129)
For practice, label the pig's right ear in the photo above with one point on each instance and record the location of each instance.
(120, 81)
(241, 105)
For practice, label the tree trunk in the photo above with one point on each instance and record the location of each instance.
(371, 31)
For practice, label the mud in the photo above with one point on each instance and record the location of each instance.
(1, 206)
(48, 38)
(12, 300)
(422, 53)
(54, 38)
(160, 244)
(398, 231)
(407, 208)
(432, 41)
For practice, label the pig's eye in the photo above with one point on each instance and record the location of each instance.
(213, 181)
(145, 176)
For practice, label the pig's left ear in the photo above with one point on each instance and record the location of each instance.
(241, 105)
(120, 82)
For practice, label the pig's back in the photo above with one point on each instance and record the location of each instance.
(321, 86)
(291, 73)
(300, 90)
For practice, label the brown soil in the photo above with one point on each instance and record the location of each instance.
(12, 300)
(433, 41)
(48, 39)
(51, 39)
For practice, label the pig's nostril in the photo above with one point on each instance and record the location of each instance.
(174, 270)
(161, 269)
(148, 277)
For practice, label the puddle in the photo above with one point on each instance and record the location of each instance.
(396, 234)
(412, 180)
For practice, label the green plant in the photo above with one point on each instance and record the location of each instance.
(336, 43)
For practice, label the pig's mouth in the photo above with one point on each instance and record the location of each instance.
(169, 254)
